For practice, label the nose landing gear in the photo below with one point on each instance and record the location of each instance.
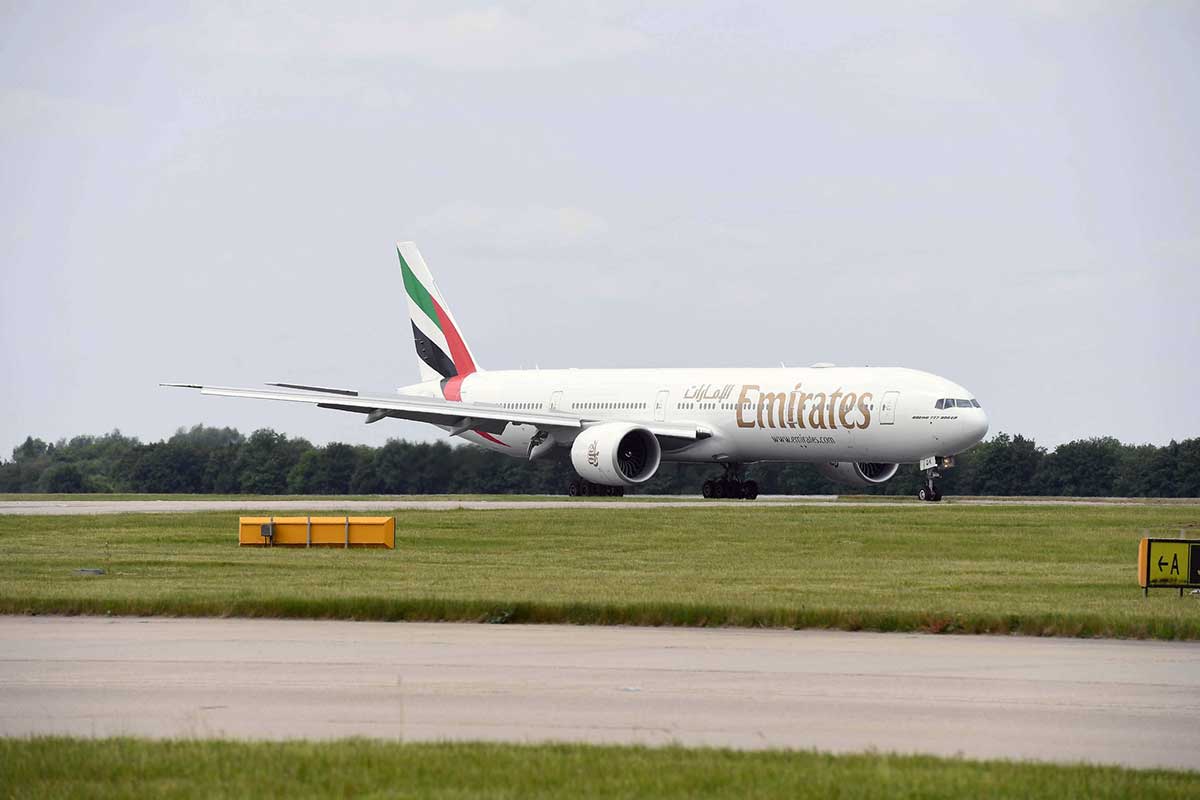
(730, 485)
(930, 492)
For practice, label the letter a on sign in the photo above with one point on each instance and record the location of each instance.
(1168, 563)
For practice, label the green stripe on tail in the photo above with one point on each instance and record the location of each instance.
(418, 293)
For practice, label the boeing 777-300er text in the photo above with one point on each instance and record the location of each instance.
(856, 424)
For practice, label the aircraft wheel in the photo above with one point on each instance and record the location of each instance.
(923, 493)
(937, 496)
(719, 489)
(573, 488)
(750, 490)
(707, 489)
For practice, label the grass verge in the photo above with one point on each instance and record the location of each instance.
(1051, 570)
(62, 767)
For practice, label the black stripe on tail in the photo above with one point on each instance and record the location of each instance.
(432, 355)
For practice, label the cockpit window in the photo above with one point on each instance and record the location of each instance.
(956, 402)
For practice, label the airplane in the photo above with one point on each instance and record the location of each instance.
(857, 425)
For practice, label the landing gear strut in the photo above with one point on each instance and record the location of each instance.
(930, 492)
(730, 485)
(581, 488)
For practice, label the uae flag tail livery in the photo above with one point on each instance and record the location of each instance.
(442, 352)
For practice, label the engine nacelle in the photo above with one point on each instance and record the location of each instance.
(858, 474)
(616, 454)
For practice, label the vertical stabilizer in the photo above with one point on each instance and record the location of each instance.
(442, 352)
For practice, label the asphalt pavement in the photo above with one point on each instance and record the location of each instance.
(1134, 703)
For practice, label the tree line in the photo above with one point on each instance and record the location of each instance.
(204, 460)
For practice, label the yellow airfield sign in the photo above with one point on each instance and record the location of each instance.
(1169, 564)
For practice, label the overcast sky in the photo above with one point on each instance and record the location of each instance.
(1006, 195)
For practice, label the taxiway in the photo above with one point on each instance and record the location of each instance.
(1123, 702)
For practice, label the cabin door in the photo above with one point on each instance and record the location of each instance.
(660, 405)
(887, 409)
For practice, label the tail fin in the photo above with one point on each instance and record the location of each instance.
(442, 353)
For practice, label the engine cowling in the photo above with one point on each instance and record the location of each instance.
(616, 454)
(858, 474)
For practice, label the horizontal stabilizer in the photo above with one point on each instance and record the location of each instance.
(325, 389)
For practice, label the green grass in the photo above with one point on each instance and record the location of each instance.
(59, 767)
(1040, 570)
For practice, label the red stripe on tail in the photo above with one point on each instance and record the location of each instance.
(452, 388)
(458, 351)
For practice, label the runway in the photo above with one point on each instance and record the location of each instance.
(1104, 701)
(662, 502)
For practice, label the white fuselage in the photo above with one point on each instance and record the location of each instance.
(813, 414)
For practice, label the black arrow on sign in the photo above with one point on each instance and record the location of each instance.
(1162, 564)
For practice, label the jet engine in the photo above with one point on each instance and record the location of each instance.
(616, 454)
(858, 474)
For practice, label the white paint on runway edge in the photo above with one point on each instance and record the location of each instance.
(1123, 702)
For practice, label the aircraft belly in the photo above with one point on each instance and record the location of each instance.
(796, 444)
(768, 444)
(894, 444)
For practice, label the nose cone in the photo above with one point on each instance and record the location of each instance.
(970, 421)
(977, 425)
(967, 431)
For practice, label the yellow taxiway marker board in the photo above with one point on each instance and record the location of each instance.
(317, 532)
(1169, 563)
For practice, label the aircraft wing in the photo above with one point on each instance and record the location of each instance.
(458, 416)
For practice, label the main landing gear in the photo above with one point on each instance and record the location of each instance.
(578, 487)
(730, 485)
